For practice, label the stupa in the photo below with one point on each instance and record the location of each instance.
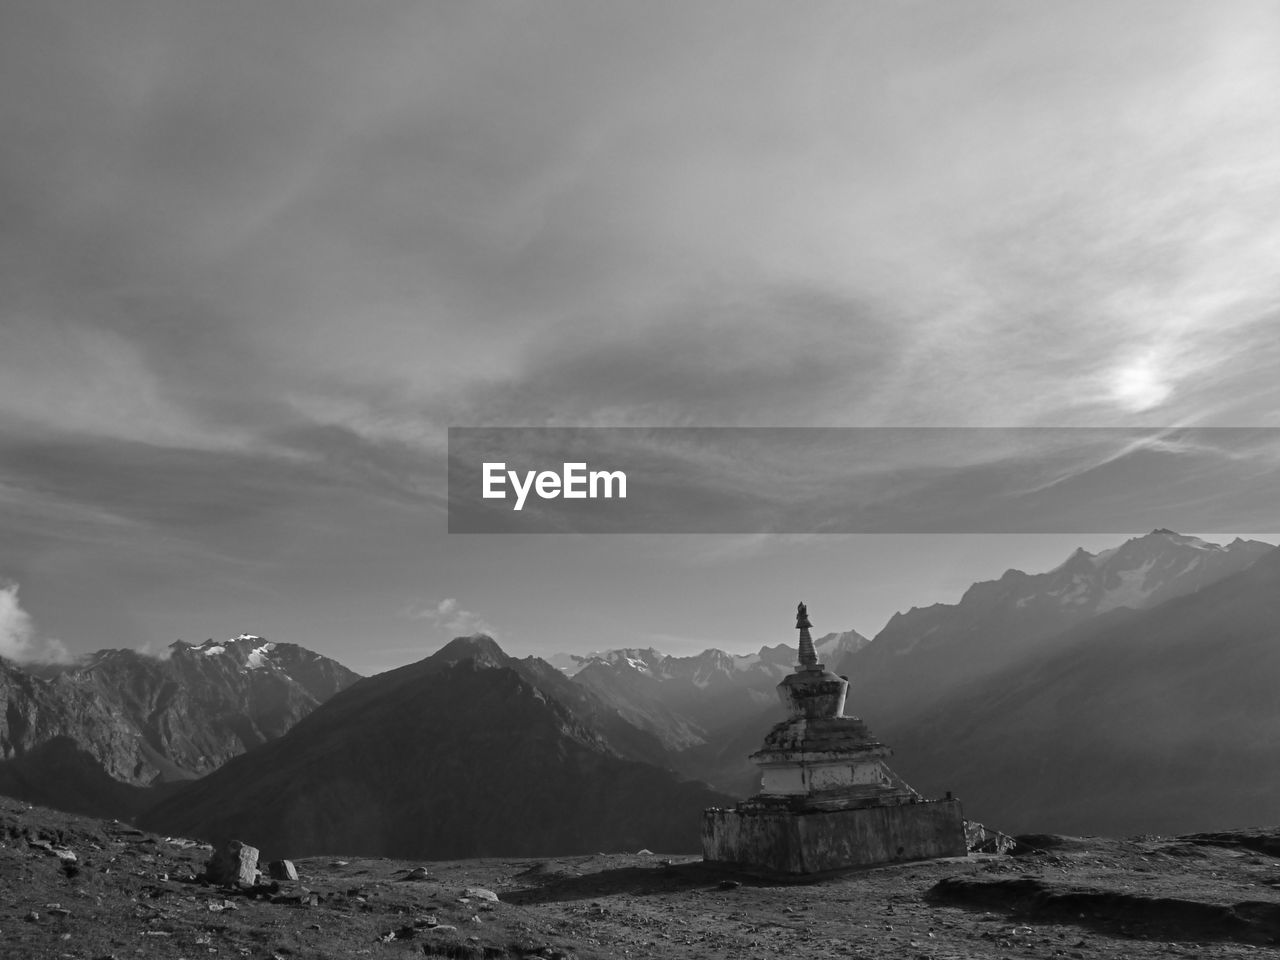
(828, 801)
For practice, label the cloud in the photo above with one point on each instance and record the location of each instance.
(449, 617)
(154, 649)
(255, 259)
(18, 640)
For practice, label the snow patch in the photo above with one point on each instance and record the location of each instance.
(257, 659)
(1132, 591)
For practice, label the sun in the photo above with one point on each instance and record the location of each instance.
(1139, 385)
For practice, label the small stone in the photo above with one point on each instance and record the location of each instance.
(480, 893)
(730, 884)
(282, 870)
(404, 933)
(418, 873)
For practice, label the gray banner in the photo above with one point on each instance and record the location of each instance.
(862, 480)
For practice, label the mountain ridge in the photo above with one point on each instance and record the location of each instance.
(141, 720)
(468, 752)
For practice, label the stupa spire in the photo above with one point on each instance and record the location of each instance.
(808, 655)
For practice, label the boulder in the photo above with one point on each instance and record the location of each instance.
(233, 863)
(282, 870)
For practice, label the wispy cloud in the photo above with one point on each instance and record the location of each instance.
(449, 617)
(255, 260)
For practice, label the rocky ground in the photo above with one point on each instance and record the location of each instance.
(72, 887)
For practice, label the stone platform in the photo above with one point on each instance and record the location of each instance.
(774, 840)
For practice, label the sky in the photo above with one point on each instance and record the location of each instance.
(257, 257)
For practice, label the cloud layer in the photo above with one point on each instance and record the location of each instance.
(254, 259)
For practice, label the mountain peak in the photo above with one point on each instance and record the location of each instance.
(480, 647)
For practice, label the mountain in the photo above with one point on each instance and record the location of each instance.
(688, 701)
(123, 718)
(926, 652)
(466, 753)
(1164, 720)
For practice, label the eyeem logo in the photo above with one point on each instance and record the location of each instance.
(574, 482)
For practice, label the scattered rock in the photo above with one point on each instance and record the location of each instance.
(233, 864)
(982, 839)
(729, 884)
(480, 893)
(404, 933)
(417, 873)
(282, 870)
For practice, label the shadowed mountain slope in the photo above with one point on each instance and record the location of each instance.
(466, 753)
(1163, 720)
(928, 651)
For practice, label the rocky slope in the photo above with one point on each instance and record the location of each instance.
(132, 894)
(88, 732)
(466, 753)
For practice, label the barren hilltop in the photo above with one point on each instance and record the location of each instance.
(74, 887)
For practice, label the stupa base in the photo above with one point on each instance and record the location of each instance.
(772, 840)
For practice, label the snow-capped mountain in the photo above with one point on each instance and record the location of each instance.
(713, 666)
(684, 701)
(1159, 721)
(930, 650)
(466, 753)
(120, 717)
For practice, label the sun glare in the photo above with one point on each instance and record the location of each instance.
(1139, 386)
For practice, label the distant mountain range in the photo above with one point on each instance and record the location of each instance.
(1128, 690)
(467, 753)
(689, 701)
(1164, 720)
(920, 656)
(87, 735)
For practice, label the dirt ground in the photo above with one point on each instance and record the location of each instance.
(128, 894)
